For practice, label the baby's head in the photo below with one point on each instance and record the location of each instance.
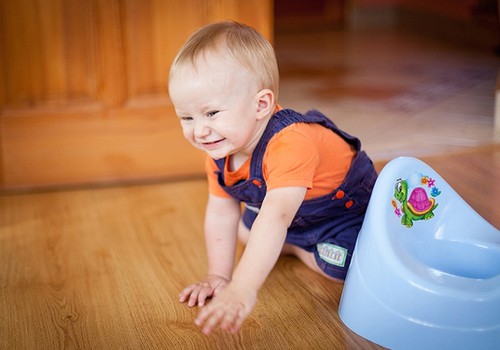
(243, 44)
(223, 84)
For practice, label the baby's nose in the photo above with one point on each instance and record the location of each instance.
(201, 129)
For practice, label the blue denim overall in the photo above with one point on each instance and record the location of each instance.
(328, 225)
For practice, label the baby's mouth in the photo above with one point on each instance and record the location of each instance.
(211, 144)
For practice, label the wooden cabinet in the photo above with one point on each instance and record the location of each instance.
(83, 87)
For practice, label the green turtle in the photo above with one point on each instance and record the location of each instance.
(418, 207)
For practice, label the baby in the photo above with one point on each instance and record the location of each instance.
(305, 184)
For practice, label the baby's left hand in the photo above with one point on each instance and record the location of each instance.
(229, 309)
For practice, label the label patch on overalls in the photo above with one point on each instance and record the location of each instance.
(332, 254)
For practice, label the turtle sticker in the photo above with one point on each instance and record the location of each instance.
(415, 198)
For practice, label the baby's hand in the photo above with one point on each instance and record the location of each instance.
(198, 293)
(229, 309)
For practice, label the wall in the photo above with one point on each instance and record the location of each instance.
(465, 22)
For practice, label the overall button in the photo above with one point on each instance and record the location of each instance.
(257, 183)
(339, 195)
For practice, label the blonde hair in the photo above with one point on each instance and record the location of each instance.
(246, 46)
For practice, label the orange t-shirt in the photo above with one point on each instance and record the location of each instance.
(300, 155)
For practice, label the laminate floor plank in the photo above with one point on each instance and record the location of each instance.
(102, 268)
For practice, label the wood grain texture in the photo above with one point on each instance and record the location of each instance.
(124, 146)
(102, 268)
(83, 88)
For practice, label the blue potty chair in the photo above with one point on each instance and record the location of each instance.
(425, 273)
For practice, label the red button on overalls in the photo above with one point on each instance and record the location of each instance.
(257, 183)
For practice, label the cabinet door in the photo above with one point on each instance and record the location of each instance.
(83, 88)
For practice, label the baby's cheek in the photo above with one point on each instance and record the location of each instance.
(188, 134)
(194, 143)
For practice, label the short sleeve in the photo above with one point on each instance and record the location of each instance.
(291, 159)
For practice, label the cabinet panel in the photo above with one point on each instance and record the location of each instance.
(83, 88)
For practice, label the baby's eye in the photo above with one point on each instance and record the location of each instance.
(212, 113)
(185, 118)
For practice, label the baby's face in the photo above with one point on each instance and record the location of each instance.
(216, 102)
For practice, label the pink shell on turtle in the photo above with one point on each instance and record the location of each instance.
(419, 202)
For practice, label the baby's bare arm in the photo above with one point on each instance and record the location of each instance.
(221, 230)
(233, 305)
(221, 234)
(267, 235)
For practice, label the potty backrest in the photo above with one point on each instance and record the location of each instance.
(429, 226)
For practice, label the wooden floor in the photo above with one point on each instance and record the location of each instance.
(102, 268)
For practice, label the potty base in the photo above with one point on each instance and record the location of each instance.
(368, 316)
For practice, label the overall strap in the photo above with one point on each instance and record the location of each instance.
(278, 122)
(284, 118)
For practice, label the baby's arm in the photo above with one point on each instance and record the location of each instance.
(221, 228)
(235, 302)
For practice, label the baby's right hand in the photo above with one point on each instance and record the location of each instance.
(199, 292)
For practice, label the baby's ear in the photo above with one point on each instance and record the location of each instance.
(265, 103)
